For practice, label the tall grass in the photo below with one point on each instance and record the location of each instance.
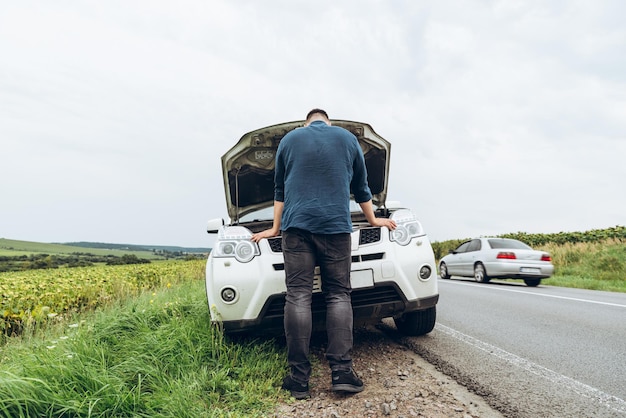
(593, 265)
(155, 356)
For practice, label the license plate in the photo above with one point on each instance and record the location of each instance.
(362, 278)
(532, 270)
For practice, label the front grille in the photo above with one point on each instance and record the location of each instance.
(369, 235)
(361, 298)
(276, 244)
(373, 256)
(366, 236)
(355, 259)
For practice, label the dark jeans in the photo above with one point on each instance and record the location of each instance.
(302, 251)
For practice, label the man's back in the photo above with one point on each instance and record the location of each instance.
(316, 168)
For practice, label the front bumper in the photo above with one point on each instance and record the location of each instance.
(385, 279)
(368, 305)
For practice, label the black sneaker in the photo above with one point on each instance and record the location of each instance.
(346, 381)
(298, 390)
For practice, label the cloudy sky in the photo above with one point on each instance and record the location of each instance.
(504, 116)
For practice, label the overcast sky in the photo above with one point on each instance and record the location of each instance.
(503, 116)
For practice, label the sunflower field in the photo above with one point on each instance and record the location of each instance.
(34, 297)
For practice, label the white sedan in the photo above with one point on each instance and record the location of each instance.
(488, 258)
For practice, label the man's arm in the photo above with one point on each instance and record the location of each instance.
(275, 229)
(368, 210)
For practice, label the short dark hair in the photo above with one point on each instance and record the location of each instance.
(314, 111)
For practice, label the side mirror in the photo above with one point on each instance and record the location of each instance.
(214, 225)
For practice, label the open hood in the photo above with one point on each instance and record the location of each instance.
(248, 167)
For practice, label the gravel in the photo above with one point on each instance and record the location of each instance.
(398, 383)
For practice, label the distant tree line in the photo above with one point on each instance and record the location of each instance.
(179, 255)
(130, 247)
(617, 233)
(47, 261)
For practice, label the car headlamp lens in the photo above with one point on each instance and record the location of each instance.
(227, 248)
(235, 242)
(408, 227)
(401, 235)
(244, 251)
(413, 229)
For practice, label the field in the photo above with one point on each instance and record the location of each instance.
(10, 247)
(35, 297)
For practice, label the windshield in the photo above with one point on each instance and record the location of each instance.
(267, 214)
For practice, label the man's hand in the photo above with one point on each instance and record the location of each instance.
(268, 233)
(384, 222)
(275, 229)
(368, 211)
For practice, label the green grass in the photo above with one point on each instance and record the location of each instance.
(594, 266)
(11, 247)
(154, 356)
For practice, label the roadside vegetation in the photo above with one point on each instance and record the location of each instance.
(154, 355)
(592, 265)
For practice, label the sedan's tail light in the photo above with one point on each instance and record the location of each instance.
(546, 257)
(506, 255)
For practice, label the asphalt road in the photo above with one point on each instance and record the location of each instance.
(532, 352)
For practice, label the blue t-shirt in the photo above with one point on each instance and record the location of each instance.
(317, 168)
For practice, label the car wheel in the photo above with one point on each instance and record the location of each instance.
(480, 274)
(532, 282)
(443, 271)
(417, 322)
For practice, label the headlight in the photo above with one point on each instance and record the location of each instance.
(400, 235)
(408, 227)
(234, 241)
(245, 251)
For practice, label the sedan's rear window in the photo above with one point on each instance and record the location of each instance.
(508, 243)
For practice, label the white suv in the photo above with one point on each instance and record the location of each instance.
(393, 272)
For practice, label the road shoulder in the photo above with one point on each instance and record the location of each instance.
(398, 383)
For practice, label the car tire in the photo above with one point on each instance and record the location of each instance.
(480, 274)
(417, 322)
(443, 271)
(532, 282)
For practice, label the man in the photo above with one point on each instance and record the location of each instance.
(318, 166)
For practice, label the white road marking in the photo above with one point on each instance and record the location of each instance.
(538, 294)
(580, 388)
